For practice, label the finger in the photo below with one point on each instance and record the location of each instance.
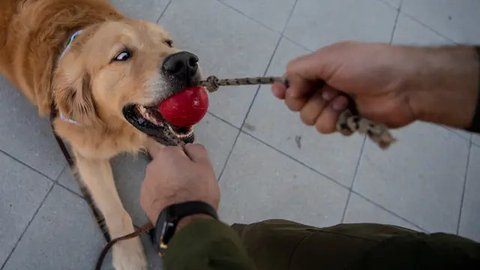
(167, 152)
(328, 93)
(279, 90)
(153, 147)
(299, 87)
(314, 107)
(305, 71)
(389, 113)
(295, 104)
(327, 121)
(196, 152)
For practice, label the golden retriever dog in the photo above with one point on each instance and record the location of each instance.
(103, 74)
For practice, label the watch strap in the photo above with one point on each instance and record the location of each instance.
(475, 126)
(165, 228)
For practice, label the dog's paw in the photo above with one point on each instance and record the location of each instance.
(129, 255)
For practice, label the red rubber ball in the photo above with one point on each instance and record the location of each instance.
(185, 108)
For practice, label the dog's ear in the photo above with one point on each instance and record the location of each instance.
(74, 98)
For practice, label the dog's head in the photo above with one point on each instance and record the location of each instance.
(122, 70)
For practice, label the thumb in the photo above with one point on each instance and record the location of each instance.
(196, 152)
(153, 148)
(309, 73)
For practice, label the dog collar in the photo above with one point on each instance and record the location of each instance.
(62, 116)
(67, 119)
(69, 43)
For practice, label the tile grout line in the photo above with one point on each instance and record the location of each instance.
(474, 143)
(257, 91)
(247, 16)
(389, 211)
(69, 190)
(455, 133)
(282, 33)
(244, 132)
(365, 137)
(280, 38)
(163, 12)
(55, 181)
(428, 27)
(26, 165)
(295, 159)
(354, 178)
(61, 172)
(290, 14)
(395, 24)
(28, 225)
(390, 5)
(333, 180)
(246, 116)
(298, 44)
(467, 167)
(424, 24)
(223, 120)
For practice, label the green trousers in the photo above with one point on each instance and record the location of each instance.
(285, 245)
(282, 245)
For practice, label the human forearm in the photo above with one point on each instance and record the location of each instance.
(444, 84)
(394, 85)
(206, 244)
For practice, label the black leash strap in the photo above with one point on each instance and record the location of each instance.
(145, 228)
(71, 163)
(86, 194)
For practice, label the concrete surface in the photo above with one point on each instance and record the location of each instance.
(269, 165)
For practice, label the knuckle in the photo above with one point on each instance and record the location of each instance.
(290, 105)
(198, 150)
(291, 66)
(294, 104)
(150, 167)
(169, 150)
(196, 147)
(201, 147)
(306, 118)
(323, 128)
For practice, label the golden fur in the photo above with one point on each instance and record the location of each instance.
(86, 86)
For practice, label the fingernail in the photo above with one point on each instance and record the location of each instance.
(327, 95)
(340, 104)
(290, 93)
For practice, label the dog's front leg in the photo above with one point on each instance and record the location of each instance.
(98, 178)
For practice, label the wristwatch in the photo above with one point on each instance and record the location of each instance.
(170, 216)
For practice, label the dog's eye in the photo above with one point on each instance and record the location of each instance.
(169, 43)
(123, 56)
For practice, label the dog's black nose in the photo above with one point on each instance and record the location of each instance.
(183, 65)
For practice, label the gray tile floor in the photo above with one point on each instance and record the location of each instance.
(269, 165)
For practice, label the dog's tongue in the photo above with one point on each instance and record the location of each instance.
(185, 108)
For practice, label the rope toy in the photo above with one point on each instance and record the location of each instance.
(348, 123)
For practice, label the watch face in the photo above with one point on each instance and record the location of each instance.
(168, 232)
(159, 233)
(167, 228)
(169, 217)
(161, 220)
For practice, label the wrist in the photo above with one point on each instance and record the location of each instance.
(158, 206)
(189, 219)
(175, 217)
(443, 86)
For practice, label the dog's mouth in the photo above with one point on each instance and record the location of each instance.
(148, 120)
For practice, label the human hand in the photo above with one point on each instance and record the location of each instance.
(393, 85)
(178, 175)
